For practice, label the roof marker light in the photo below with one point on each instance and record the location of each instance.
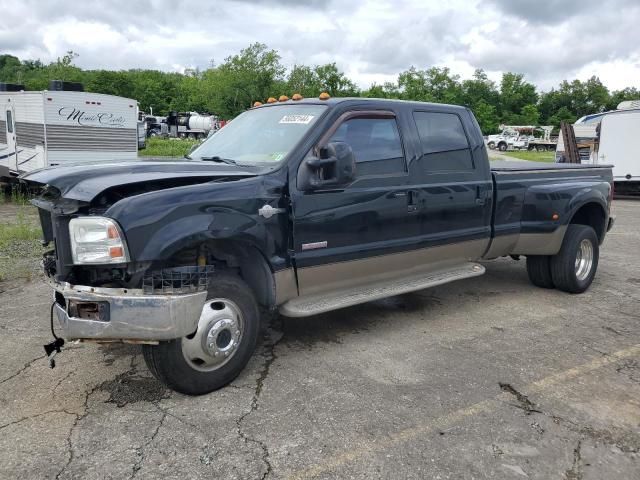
(283, 98)
(324, 96)
(271, 100)
(296, 97)
(257, 104)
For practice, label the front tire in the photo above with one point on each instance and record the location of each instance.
(574, 267)
(502, 147)
(218, 350)
(539, 271)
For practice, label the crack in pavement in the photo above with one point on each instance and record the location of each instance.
(628, 444)
(523, 401)
(575, 472)
(269, 356)
(73, 426)
(25, 367)
(36, 415)
(140, 450)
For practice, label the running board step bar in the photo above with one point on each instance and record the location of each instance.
(314, 304)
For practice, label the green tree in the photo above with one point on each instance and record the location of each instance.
(487, 117)
(562, 115)
(431, 85)
(335, 82)
(515, 93)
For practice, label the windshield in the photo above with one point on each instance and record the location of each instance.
(263, 135)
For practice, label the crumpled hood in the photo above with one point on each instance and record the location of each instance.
(85, 182)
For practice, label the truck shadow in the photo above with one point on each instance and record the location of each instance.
(503, 277)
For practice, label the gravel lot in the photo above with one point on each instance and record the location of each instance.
(485, 378)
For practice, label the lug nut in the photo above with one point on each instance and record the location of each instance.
(226, 354)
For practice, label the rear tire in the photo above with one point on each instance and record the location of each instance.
(539, 271)
(230, 323)
(574, 267)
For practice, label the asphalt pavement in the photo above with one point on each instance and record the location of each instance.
(488, 377)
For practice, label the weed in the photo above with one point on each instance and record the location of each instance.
(532, 156)
(167, 147)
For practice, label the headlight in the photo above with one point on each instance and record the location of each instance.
(97, 240)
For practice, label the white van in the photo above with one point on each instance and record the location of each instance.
(49, 128)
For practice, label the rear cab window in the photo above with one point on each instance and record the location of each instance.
(443, 141)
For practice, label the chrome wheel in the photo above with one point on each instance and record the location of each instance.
(584, 259)
(217, 337)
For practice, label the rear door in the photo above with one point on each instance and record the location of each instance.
(10, 127)
(348, 237)
(453, 181)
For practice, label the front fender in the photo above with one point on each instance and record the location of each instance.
(158, 224)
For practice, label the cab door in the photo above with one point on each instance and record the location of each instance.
(10, 131)
(453, 180)
(347, 237)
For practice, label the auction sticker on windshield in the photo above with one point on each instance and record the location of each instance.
(299, 119)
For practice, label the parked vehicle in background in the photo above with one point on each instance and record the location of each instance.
(619, 146)
(190, 125)
(610, 138)
(59, 127)
(522, 137)
(301, 206)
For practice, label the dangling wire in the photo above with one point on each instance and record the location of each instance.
(51, 321)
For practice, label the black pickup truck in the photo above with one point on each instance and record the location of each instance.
(301, 207)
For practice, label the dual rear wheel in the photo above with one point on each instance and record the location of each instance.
(572, 269)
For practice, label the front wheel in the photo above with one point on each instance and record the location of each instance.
(502, 147)
(224, 340)
(574, 267)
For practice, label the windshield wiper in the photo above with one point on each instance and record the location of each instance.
(216, 158)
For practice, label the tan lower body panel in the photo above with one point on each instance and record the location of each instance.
(354, 273)
(286, 285)
(325, 302)
(540, 243)
(527, 244)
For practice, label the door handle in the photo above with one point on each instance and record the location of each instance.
(398, 194)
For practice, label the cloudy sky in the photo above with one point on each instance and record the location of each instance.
(371, 40)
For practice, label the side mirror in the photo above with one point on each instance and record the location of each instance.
(334, 167)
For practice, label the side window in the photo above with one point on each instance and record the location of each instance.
(445, 146)
(9, 122)
(375, 143)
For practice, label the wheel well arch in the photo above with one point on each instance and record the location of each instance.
(241, 257)
(593, 215)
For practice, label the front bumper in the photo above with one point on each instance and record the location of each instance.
(128, 314)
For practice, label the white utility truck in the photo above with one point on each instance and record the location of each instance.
(59, 127)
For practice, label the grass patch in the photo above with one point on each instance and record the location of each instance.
(167, 147)
(532, 156)
(20, 247)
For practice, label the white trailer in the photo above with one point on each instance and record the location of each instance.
(50, 128)
(620, 147)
